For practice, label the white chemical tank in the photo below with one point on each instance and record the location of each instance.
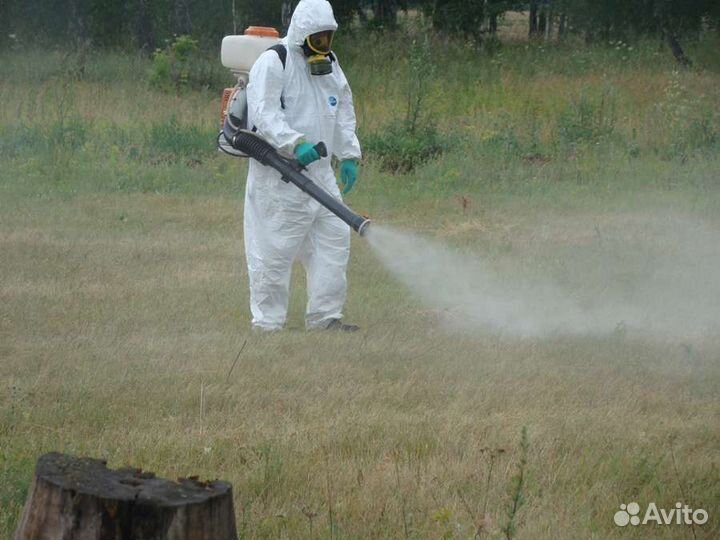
(238, 53)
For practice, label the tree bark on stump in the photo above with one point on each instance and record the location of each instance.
(81, 499)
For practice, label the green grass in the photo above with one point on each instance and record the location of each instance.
(123, 298)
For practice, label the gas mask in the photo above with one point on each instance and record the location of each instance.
(317, 48)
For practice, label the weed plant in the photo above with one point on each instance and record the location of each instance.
(413, 140)
(181, 66)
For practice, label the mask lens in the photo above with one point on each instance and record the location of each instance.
(321, 42)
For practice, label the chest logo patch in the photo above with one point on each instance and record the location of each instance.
(332, 100)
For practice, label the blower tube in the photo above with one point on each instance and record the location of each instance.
(259, 149)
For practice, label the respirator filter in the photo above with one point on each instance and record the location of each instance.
(320, 64)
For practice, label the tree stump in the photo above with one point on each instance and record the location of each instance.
(81, 499)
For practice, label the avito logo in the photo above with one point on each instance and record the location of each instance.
(629, 514)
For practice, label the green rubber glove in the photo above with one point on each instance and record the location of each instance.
(305, 153)
(348, 174)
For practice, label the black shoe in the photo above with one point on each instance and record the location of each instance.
(337, 324)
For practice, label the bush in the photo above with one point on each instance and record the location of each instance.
(401, 149)
(415, 140)
(587, 119)
(181, 66)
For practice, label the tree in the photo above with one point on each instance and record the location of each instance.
(459, 17)
(143, 27)
(144, 24)
(345, 11)
(385, 13)
(183, 18)
(286, 11)
(607, 20)
(5, 18)
(533, 19)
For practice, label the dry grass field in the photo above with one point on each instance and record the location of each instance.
(122, 319)
(124, 327)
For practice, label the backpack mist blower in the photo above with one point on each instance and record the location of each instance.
(257, 148)
(238, 53)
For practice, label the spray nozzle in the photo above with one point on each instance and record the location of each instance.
(364, 227)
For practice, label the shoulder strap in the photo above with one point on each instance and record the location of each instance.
(281, 52)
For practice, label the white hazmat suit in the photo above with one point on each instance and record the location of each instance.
(281, 223)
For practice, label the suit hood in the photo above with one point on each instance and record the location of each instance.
(309, 17)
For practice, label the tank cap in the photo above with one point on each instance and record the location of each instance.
(262, 31)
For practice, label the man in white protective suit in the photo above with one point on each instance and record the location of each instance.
(294, 107)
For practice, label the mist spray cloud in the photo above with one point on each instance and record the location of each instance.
(674, 292)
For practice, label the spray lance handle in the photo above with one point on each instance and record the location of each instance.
(321, 149)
